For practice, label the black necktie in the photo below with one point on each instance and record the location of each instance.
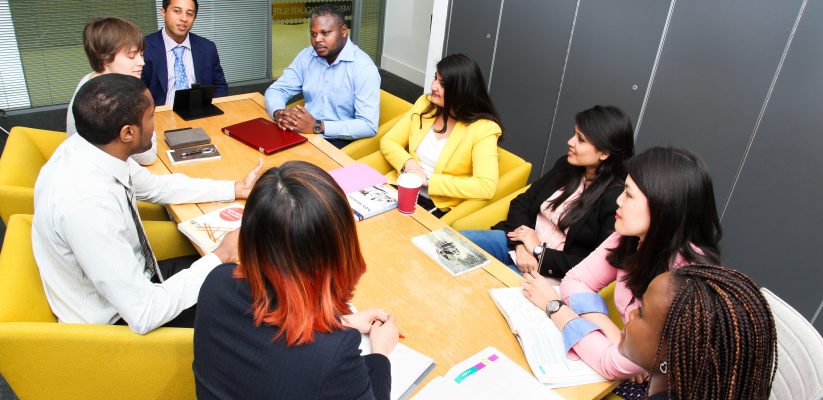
(145, 247)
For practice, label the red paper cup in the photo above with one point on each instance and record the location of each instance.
(408, 187)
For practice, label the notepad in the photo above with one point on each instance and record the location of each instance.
(487, 375)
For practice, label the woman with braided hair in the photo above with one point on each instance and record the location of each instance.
(666, 217)
(714, 331)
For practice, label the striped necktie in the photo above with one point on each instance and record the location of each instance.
(145, 248)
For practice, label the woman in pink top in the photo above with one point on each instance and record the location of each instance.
(666, 217)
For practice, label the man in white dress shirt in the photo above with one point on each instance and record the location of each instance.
(96, 264)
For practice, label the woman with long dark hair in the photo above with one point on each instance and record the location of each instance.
(449, 138)
(278, 324)
(569, 211)
(666, 217)
(703, 332)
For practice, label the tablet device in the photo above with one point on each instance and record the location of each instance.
(195, 102)
(263, 135)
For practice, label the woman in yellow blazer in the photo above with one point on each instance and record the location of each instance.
(449, 138)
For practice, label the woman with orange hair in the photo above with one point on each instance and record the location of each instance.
(278, 324)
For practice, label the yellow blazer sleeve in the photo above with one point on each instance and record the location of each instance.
(471, 171)
(395, 143)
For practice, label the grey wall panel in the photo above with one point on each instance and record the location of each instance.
(472, 30)
(774, 218)
(715, 70)
(531, 48)
(613, 48)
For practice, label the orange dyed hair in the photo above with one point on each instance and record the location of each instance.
(299, 252)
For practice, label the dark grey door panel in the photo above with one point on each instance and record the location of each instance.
(716, 67)
(610, 61)
(531, 48)
(775, 214)
(472, 30)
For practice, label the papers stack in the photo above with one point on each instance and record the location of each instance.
(490, 375)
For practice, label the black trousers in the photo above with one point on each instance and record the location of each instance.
(168, 268)
(339, 143)
(428, 204)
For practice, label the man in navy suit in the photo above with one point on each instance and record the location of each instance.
(176, 58)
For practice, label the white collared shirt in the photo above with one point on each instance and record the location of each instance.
(85, 240)
(188, 62)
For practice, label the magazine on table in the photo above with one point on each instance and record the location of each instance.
(208, 230)
(366, 190)
(450, 250)
(372, 200)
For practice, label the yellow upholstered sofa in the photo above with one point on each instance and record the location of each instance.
(514, 172)
(43, 359)
(26, 151)
(391, 108)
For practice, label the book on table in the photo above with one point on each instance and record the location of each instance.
(366, 190)
(541, 341)
(450, 250)
(487, 375)
(207, 230)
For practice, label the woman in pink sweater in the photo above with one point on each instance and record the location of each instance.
(666, 217)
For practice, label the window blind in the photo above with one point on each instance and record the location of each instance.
(371, 32)
(240, 29)
(49, 42)
(13, 93)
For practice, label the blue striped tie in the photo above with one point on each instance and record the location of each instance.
(181, 81)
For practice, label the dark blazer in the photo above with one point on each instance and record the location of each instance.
(234, 359)
(582, 238)
(206, 61)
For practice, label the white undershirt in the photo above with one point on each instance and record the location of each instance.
(428, 152)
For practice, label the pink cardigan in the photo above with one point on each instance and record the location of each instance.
(586, 279)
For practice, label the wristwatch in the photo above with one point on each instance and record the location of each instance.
(318, 127)
(553, 307)
(538, 250)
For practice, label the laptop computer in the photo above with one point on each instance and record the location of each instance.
(195, 102)
(263, 135)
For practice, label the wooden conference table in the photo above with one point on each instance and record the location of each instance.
(447, 318)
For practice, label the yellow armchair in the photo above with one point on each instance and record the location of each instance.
(391, 108)
(26, 151)
(489, 215)
(514, 172)
(41, 358)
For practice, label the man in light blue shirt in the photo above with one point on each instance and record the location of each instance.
(339, 81)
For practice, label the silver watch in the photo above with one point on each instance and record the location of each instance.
(553, 307)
